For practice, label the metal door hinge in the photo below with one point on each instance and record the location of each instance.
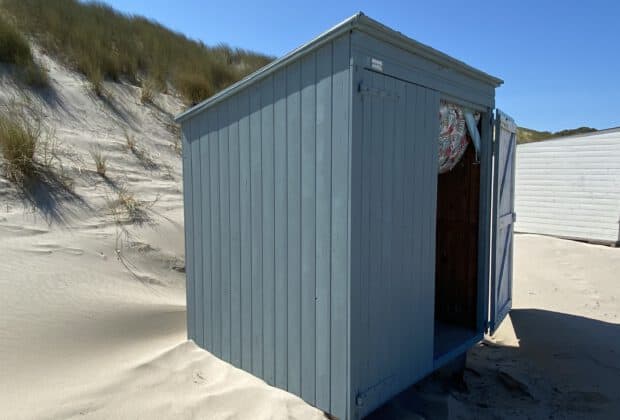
(366, 90)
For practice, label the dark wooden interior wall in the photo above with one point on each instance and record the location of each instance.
(457, 242)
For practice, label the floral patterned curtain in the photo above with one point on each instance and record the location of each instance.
(453, 139)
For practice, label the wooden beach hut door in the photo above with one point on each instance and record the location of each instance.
(505, 132)
(397, 192)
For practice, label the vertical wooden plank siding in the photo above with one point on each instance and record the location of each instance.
(394, 237)
(310, 211)
(341, 91)
(374, 297)
(485, 212)
(503, 219)
(387, 286)
(308, 231)
(424, 203)
(323, 223)
(197, 218)
(360, 180)
(428, 137)
(432, 132)
(399, 361)
(216, 273)
(246, 232)
(267, 172)
(293, 115)
(235, 234)
(224, 145)
(355, 328)
(281, 225)
(268, 223)
(189, 228)
(204, 306)
(416, 95)
(409, 243)
(256, 199)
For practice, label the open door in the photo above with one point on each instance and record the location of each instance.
(505, 132)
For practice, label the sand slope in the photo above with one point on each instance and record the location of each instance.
(81, 336)
(92, 311)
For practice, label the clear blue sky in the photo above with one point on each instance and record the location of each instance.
(560, 60)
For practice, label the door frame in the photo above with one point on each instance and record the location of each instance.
(485, 225)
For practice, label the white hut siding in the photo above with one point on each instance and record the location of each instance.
(570, 187)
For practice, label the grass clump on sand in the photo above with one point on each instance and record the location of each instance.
(29, 150)
(101, 161)
(147, 95)
(19, 138)
(130, 141)
(140, 153)
(96, 82)
(15, 50)
(126, 208)
(104, 44)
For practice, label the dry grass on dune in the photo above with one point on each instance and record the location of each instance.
(101, 161)
(102, 43)
(19, 139)
(28, 147)
(15, 51)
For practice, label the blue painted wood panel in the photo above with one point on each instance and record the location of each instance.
(395, 154)
(416, 69)
(310, 222)
(197, 240)
(203, 307)
(268, 170)
(268, 229)
(339, 319)
(503, 218)
(308, 226)
(188, 217)
(224, 201)
(293, 177)
(256, 200)
(245, 204)
(281, 231)
(323, 223)
(235, 232)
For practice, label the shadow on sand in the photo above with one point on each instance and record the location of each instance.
(566, 366)
(49, 195)
(118, 110)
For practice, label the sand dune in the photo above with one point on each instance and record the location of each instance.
(80, 335)
(92, 303)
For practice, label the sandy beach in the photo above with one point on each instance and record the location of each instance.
(92, 299)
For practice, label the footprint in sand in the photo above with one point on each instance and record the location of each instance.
(49, 248)
(198, 378)
(149, 280)
(23, 230)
